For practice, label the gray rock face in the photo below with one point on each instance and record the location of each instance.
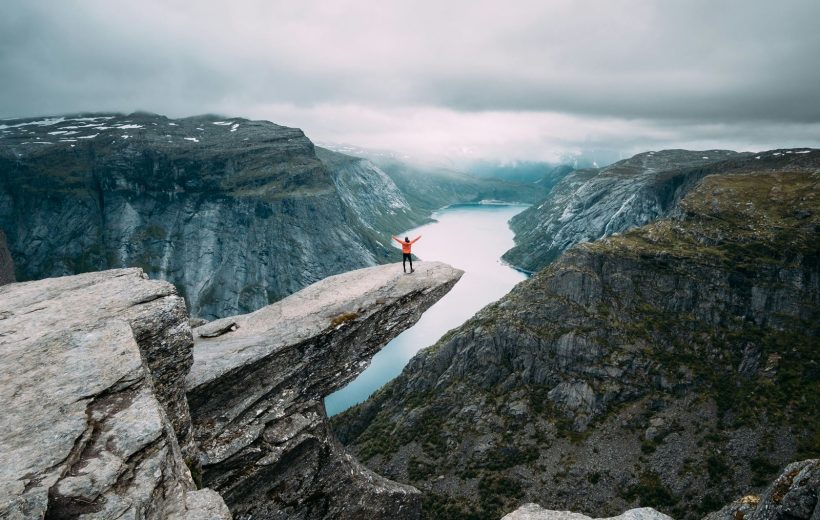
(90, 378)
(671, 366)
(370, 194)
(6, 262)
(234, 213)
(257, 384)
(591, 204)
(795, 494)
(536, 512)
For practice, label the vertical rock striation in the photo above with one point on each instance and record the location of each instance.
(6, 262)
(257, 385)
(234, 213)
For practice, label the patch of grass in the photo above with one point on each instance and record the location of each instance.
(762, 471)
(651, 492)
(419, 470)
(717, 468)
(648, 447)
(343, 318)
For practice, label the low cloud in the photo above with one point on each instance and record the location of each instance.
(528, 80)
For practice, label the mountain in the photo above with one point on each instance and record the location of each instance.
(520, 171)
(673, 366)
(370, 194)
(429, 187)
(235, 213)
(590, 204)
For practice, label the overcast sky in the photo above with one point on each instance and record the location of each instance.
(501, 80)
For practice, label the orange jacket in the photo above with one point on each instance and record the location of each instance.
(405, 246)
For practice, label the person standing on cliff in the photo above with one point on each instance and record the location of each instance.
(405, 249)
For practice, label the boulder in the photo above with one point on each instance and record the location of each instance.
(536, 512)
(794, 495)
(91, 380)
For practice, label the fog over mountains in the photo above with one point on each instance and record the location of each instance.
(466, 80)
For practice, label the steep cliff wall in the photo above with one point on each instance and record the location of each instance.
(594, 203)
(6, 262)
(673, 366)
(371, 195)
(235, 213)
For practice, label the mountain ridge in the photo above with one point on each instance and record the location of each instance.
(619, 374)
(594, 203)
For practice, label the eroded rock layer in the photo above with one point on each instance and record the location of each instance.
(6, 262)
(257, 385)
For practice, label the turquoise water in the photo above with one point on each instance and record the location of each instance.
(471, 237)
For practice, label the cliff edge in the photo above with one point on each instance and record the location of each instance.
(257, 385)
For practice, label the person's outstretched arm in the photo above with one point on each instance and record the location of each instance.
(397, 240)
(414, 240)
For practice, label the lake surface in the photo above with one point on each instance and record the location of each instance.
(471, 237)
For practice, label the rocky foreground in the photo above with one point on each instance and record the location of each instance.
(673, 366)
(794, 495)
(113, 411)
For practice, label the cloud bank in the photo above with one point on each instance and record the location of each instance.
(502, 80)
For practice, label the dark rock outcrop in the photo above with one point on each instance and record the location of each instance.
(257, 385)
(590, 204)
(91, 380)
(6, 262)
(673, 366)
(794, 495)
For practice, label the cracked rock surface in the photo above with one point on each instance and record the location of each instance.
(257, 384)
(91, 380)
(793, 495)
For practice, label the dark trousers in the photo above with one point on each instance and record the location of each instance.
(407, 256)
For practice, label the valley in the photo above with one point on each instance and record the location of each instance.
(671, 365)
(662, 354)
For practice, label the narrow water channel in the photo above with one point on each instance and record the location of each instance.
(471, 237)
